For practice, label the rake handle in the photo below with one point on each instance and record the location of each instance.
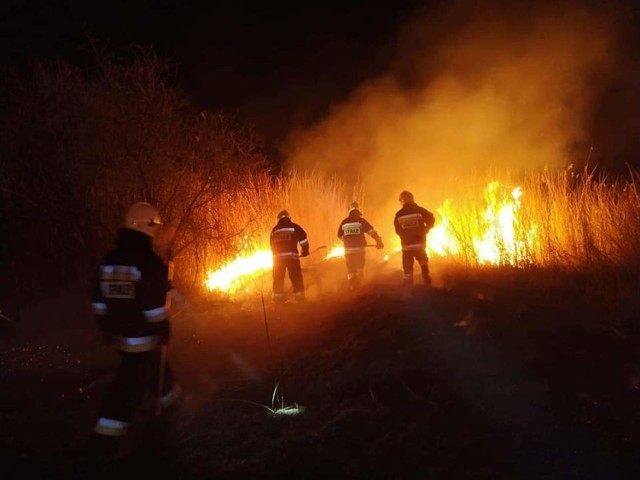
(161, 369)
(314, 250)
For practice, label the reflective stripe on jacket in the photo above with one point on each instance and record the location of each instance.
(412, 223)
(285, 237)
(352, 232)
(130, 293)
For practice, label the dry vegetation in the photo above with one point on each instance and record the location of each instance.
(80, 145)
(395, 380)
(581, 223)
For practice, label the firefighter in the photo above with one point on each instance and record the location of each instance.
(130, 303)
(284, 240)
(351, 231)
(412, 224)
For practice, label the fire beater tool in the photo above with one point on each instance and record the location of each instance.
(162, 364)
(316, 249)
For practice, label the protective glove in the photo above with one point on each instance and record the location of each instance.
(379, 245)
(305, 253)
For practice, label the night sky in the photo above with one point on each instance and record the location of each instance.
(267, 63)
(276, 66)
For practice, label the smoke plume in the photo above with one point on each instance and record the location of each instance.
(474, 86)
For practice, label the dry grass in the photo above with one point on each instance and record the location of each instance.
(573, 229)
(559, 221)
(564, 219)
(245, 214)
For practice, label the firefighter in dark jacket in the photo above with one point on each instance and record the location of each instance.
(412, 223)
(352, 233)
(130, 303)
(284, 240)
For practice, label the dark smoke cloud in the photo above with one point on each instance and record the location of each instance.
(475, 86)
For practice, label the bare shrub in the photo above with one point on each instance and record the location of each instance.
(46, 164)
(81, 145)
(79, 148)
(316, 201)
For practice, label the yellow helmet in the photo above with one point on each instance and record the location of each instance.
(353, 206)
(143, 217)
(406, 197)
(283, 214)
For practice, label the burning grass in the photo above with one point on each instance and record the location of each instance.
(567, 219)
(311, 199)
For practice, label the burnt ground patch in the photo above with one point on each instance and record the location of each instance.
(438, 383)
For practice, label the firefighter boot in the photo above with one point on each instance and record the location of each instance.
(354, 281)
(279, 298)
(103, 448)
(426, 277)
(424, 267)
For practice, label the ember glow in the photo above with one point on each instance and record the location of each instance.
(439, 241)
(235, 275)
(230, 277)
(337, 251)
(495, 237)
(502, 242)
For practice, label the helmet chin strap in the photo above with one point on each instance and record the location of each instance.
(143, 228)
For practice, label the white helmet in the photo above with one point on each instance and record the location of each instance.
(143, 217)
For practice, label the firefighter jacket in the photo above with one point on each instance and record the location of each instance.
(412, 223)
(131, 292)
(285, 237)
(351, 231)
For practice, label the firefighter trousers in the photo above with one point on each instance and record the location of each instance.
(355, 266)
(408, 257)
(137, 374)
(281, 265)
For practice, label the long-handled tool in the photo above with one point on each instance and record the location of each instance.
(162, 363)
(315, 250)
(4, 317)
(264, 316)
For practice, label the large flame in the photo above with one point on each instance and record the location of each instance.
(230, 277)
(337, 251)
(497, 239)
(502, 242)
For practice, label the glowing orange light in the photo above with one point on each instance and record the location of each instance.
(501, 242)
(336, 251)
(496, 238)
(230, 277)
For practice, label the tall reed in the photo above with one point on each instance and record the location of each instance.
(564, 218)
(247, 211)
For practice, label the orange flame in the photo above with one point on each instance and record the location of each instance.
(230, 277)
(497, 239)
(337, 251)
